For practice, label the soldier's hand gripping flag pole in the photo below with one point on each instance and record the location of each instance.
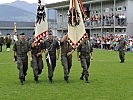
(41, 24)
(76, 28)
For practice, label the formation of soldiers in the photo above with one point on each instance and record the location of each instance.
(51, 48)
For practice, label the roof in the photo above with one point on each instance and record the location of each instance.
(18, 24)
(66, 3)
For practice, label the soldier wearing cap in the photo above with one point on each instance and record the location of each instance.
(52, 49)
(83, 55)
(66, 56)
(21, 47)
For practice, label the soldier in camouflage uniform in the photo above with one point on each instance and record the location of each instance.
(122, 47)
(83, 54)
(36, 59)
(66, 56)
(21, 47)
(51, 46)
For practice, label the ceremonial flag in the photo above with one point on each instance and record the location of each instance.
(41, 24)
(15, 38)
(76, 28)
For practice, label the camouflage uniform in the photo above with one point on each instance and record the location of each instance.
(21, 48)
(84, 49)
(37, 62)
(51, 45)
(122, 44)
(66, 60)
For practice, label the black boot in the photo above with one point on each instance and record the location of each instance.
(50, 79)
(36, 79)
(66, 79)
(82, 77)
(86, 78)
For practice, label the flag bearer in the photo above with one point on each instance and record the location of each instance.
(66, 56)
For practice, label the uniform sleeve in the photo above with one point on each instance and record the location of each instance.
(14, 47)
(44, 45)
(79, 48)
(57, 45)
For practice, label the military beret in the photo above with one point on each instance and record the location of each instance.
(22, 33)
(50, 32)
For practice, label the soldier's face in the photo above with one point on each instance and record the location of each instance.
(50, 36)
(22, 37)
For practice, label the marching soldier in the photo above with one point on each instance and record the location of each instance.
(122, 47)
(66, 56)
(83, 54)
(36, 59)
(51, 46)
(21, 47)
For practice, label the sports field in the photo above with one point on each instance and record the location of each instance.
(109, 80)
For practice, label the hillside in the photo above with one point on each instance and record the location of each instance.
(10, 13)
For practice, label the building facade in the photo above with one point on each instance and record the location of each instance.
(105, 17)
(8, 27)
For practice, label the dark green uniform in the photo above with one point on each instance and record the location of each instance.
(66, 60)
(122, 44)
(37, 62)
(21, 48)
(84, 49)
(51, 45)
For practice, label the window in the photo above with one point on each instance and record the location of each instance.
(112, 9)
(106, 9)
(124, 8)
(119, 9)
(96, 11)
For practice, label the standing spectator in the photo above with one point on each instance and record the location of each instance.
(8, 42)
(83, 54)
(21, 47)
(122, 48)
(1, 42)
(50, 46)
(66, 56)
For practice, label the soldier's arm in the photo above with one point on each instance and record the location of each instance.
(58, 50)
(14, 53)
(78, 52)
(73, 49)
(64, 38)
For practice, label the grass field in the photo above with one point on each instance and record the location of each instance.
(109, 80)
